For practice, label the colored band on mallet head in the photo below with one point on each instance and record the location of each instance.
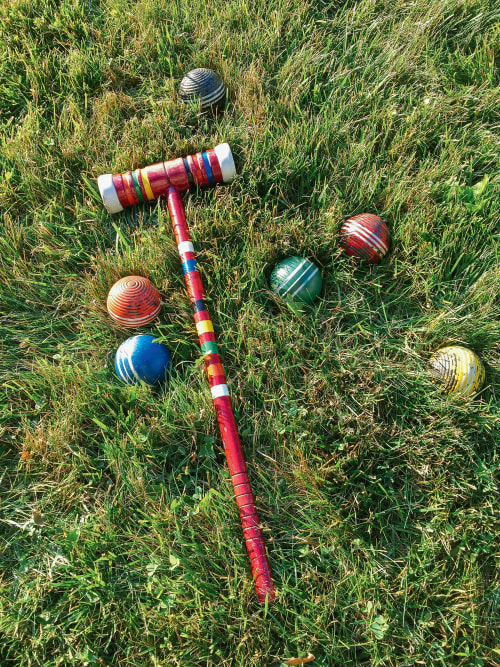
(208, 169)
(205, 168)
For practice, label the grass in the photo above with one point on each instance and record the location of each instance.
(120, 542)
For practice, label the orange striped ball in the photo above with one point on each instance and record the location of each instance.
(133, 301)
(365, 236)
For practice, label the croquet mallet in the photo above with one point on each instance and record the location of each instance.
(120, 191)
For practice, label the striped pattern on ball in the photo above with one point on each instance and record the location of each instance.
(141, 359)
(458, 370)
(204, 85)
(365, 237)
(296, 278)
(133, 301)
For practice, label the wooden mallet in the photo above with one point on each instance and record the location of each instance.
(170, 178)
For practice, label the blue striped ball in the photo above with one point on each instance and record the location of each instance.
(141, 359)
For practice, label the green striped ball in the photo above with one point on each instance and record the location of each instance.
(296, 279)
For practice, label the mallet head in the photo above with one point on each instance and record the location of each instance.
(119, 191)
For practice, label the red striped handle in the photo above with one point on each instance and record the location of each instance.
(252, 531)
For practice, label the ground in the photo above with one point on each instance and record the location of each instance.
(120, 542)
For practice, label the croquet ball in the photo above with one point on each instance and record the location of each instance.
(203, 85)
(459, 370)
(133, 301)
(140, 358)
(296, 278)
(365, 236)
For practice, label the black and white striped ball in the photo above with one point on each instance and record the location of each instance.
(203, 85)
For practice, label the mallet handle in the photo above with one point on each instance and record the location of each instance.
(252, 531)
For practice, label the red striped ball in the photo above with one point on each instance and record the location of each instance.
(133, 301)
(365, 236)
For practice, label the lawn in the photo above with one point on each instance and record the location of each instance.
(120, 541)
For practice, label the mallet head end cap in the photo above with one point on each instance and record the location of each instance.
(226, 162)
(108, 193)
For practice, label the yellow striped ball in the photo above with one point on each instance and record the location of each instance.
(459, 370)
